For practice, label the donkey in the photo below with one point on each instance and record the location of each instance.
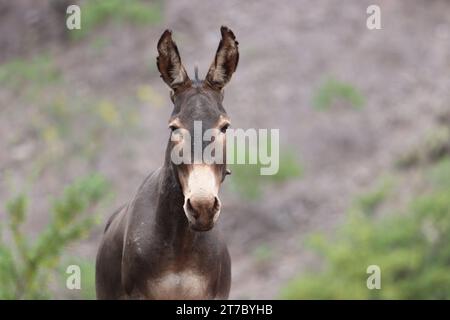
(162, 244)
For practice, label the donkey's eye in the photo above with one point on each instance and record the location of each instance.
(173, 128)
(224, 128)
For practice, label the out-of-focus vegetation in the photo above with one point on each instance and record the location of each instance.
(370, 201)
(332, 91)
(27, 265)
(87, 267)
(246, 179)
(435, 144)
(61, 126)
(37, 70)
(97, 12)
(263, 253)
(412, 248)
(57, 113)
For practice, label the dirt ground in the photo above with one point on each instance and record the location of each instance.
(287, 49)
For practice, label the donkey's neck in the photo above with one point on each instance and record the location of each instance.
(170, 220)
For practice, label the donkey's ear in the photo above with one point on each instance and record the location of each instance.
(169, 62)
(225, 62)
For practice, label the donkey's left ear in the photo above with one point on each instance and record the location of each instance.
(225, 62)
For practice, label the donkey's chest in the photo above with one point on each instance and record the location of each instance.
(186, 284)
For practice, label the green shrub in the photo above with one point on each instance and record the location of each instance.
(263, 253)
(38, 70)
(97, 12)
(412, 250)
(370, 201)
(248, 181)
(87, 269)
(440, 173)
(27, 265)
(430, 148)
(333, 90)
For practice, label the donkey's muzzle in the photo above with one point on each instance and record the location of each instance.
(202, 211)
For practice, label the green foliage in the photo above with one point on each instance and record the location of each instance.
(333, 90)
(97, 12)
(289, 168)
(38, 70)
(440, 173)
(263, 253)
(26, 267)
(247, 180)
(87, 280)
(369, 202)
(433, 146)
(57, 123)
(87, 268)
(412, 250)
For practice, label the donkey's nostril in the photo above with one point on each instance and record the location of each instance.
(191, 209)
(216, 205)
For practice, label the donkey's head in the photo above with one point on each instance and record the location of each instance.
(198, 107)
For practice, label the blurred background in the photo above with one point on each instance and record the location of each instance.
(364, 121)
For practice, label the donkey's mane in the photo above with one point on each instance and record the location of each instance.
(197, 81)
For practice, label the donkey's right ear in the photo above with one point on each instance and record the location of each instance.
(169, 63)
